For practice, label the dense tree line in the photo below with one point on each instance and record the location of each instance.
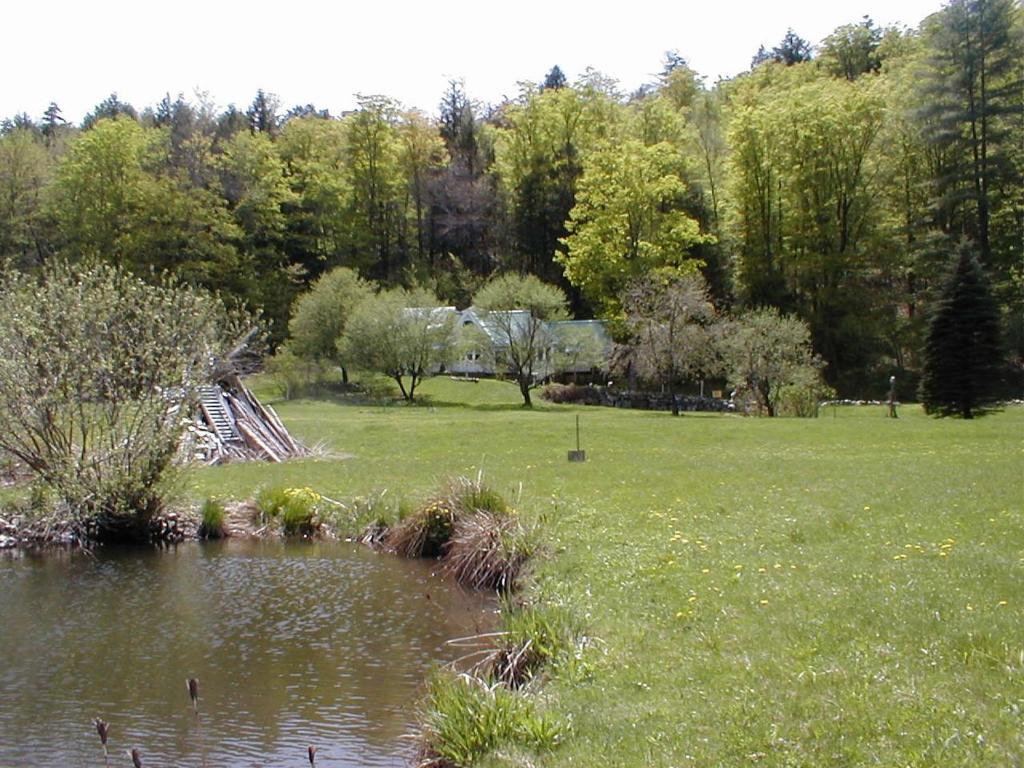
(831, 184)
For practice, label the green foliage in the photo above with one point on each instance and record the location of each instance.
(852, 50)
(767, 355)
(295, 510)
(517, 309)
(534, 638)
(25, 171)
(295, 376)
(401, 334)
(213, 517)
(804, 211)
(628, 219)
(466, 719)
(98, 373)
(963, 360)
(972, 94)
(319, 316)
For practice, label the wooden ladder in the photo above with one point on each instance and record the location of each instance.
(211, 400)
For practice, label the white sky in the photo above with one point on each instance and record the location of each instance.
(76, 53)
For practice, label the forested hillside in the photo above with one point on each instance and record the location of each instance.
(834, 183)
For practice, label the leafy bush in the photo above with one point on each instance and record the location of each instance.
(465, 719)
(571, 393)
(294, 509)
(214, 516)
(294, 376)
(98, 373)
(801, 396)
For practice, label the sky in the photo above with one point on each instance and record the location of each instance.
(77, 53)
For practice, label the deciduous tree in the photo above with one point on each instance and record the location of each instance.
(401, 334)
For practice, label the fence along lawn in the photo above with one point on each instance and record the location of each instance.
(845, 590)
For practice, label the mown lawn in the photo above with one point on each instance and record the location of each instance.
(847, 590)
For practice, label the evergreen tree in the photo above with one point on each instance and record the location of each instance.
(973, 98)
(554, 80)
(962, 356)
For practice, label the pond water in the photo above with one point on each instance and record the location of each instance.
(293, 643)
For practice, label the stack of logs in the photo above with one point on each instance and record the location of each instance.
(239, 428)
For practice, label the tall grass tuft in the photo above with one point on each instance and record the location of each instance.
(426, 531)
(488, 550)
(293, 509)
(533, 638)
(213, 524)
(465, 719)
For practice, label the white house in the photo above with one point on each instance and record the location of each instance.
(569, 346)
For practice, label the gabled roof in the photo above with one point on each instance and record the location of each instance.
(492, 322)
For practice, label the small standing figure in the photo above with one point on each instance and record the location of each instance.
(892, 398)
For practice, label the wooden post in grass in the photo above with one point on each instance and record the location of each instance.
(577, 455)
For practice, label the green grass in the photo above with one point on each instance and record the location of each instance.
(847, 590)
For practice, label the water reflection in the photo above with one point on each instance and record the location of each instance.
(293, 644)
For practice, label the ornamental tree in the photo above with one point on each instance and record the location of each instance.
(401, 334)
(517, 309)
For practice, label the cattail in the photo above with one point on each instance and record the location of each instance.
(136, 757)
(312, 755)
(102, 728)
(193, 692)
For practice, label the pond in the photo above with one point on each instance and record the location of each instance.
(293, 644)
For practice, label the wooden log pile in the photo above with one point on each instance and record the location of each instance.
(233, 425)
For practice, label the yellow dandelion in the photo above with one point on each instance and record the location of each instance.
(763, 602)
(705, 570)
(1001, 602)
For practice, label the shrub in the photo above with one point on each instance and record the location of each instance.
(571, 393)
(465, 719)
(213, 523)
(294, 509)
(98, 371)
(802, 395)
(294, 376)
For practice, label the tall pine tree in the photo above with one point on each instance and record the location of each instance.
(962, 357)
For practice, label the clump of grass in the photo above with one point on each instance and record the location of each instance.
(465, 718)
(213, 519)
(488, 549)
(294, 509)
(533, 638)
(427, 531)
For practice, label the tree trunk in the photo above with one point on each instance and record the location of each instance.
(524, 388)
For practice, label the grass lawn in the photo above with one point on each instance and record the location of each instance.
(847, 590)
